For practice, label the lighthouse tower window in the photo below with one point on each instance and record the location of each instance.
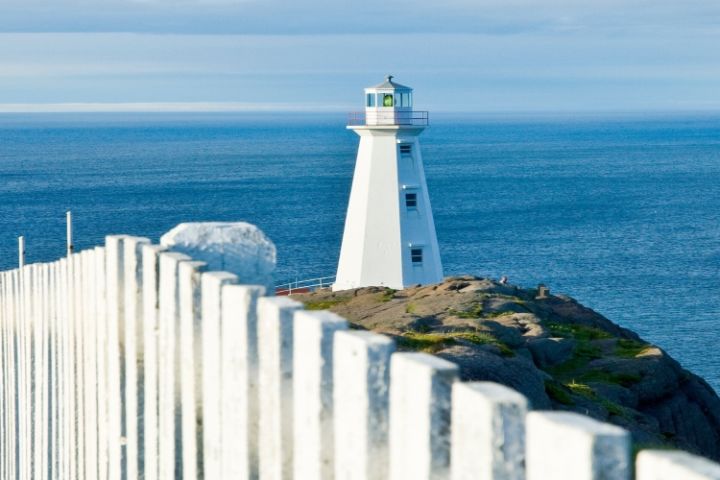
(416, 255)
(370, 100)
(411, 201)
(388, 100)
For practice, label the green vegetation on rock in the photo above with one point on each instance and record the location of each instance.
(603, 376)
(628, 348)
(558, 392)
(434, 342)
(577, 331)
(475, 311)
(388, 295)
(325, 304)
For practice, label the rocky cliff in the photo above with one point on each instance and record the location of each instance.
(558, 353)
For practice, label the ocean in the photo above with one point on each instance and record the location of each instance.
(621, 212)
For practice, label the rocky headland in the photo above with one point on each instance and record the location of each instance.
(558, 353)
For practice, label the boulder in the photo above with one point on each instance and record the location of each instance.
(236, 247)
(548, 352)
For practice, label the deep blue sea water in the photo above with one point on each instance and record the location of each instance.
(622, 213)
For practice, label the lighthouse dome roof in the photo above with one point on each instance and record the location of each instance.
(389, 84)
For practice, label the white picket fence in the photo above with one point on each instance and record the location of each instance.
(127, 361)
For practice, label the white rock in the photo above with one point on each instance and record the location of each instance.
(236, 247)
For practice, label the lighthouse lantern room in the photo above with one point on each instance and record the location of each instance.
(389, 238)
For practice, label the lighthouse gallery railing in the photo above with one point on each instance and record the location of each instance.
(419, 118)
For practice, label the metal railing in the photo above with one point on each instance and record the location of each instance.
(419, 118)
(304, 286)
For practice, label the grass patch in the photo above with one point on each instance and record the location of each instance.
(388, 295)
(613, 408)
(482, 338)
(587, 391)
(578, 332)
(424, 342)
(557, 392)
(512, 298)
(475, 311)
(505, 313)
(628, 348)
(603, 376)
(410, 308)
(583, 353)
(582, 390)
(324, 304)
(434, 342)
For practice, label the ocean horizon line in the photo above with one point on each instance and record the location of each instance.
(248, 107)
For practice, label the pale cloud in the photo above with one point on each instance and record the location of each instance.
(481, 72)
(491, 54)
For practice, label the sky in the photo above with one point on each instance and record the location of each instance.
(459, 55)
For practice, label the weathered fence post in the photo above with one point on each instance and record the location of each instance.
(312, 393)
(69, 233)
(420, 396)
(488, 432)
(570, 446)
(361, 391)
(275, 355)
(674, 465)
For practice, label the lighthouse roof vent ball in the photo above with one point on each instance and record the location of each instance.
(389, 238)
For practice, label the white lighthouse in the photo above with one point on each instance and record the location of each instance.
(389, 237)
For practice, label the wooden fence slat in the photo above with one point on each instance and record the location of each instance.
(488, 432)
(89, 336)
(211, 286)
(189, 274)
(570, 446)
(674, 465)
(312, 393)
(115, 376)
(168, 378)
(420, 393)
(275, 356)
(239, 381)
(361, 386)
(25, 373)
(151, 286)
(79, 410)
(132, 341)
(101, 309)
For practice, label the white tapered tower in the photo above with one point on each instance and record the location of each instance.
(389, 237)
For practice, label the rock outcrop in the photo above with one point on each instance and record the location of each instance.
(558, 353)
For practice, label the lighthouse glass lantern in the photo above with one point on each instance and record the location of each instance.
(389, 238)
(388, 103)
